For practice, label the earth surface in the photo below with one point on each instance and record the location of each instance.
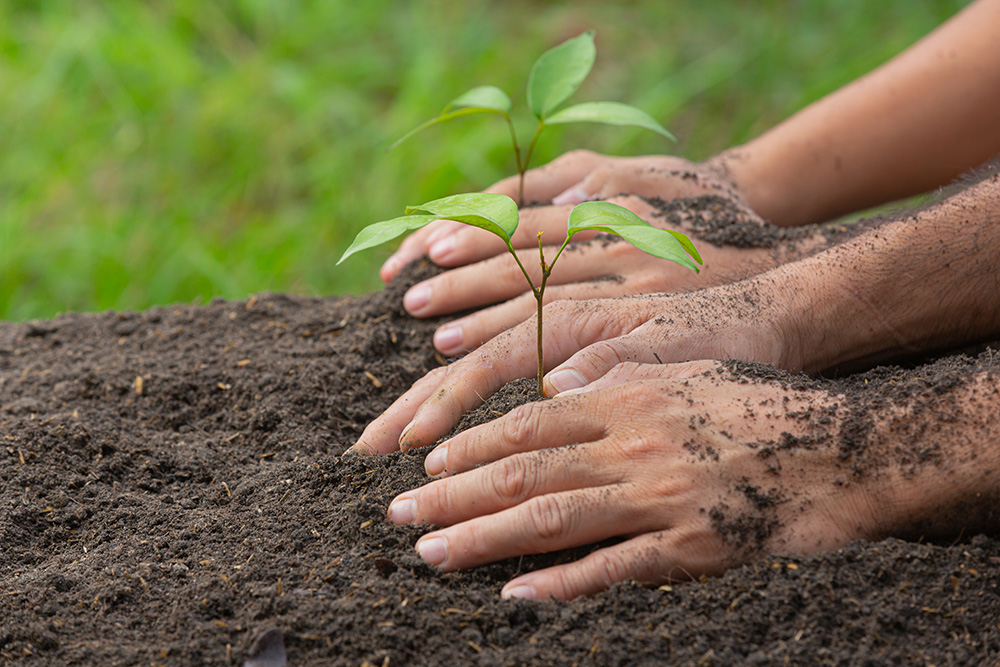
(173, 493)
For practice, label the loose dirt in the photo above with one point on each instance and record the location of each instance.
(173, 493)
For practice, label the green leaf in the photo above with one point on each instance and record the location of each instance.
(492, 212)
(483, 97)
(467, 111)
(380, 232)
(610, 113)
(610, 218)
(559, 72)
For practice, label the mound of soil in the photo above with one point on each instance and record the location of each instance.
(173, 494)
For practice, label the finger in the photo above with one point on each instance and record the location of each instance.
(415, 246)
(650, 558)
(635, 372)
(529, 427)
(513, 355)
(500, 486)
(497, 279)
(381, 436)
(645, 345)
(648, 176)
(543, 183)
(540, 524)
(469, 244)
(470, 332)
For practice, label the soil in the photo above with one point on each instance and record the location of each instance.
(173, 493)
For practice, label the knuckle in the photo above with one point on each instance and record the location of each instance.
(547, 518)
(513, 479)
(610, 568)
(609, 353)
(626, 370)
(435, 501)
(520, 425)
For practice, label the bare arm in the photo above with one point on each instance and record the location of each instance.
(910, 126)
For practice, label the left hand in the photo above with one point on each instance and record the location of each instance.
(669, 457)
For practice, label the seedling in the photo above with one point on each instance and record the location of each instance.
(499, 214)
(554, 77)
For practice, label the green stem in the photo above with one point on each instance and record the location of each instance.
(527, 161)
(521, 168)
(539, 294)
(539, 298)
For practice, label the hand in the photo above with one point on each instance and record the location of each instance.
(585, 339)
(676, 466)
(568, 180)
(585, 271)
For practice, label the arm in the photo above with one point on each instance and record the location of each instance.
(910, 126)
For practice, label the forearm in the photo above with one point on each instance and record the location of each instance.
(924, 282)
(908, 127)
(935, 455)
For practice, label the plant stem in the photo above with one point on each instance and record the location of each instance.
(523, 168)
(539, 294)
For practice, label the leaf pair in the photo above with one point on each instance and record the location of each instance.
(554, 77)
(498, 214)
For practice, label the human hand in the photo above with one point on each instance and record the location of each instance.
(599, 269)
(698, 471)
(743, 320)
(568, 180)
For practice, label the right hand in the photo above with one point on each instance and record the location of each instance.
(574, 177)
(750, 320)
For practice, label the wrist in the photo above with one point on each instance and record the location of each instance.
(747, 171)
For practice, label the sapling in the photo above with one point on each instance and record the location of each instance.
(554, 77)
(499, 214)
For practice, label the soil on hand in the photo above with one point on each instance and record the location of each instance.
(173, 493)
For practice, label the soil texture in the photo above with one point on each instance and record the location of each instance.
(173, 494)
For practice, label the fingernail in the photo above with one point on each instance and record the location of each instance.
(441, 249)
(404, 436)
(417, 298)
(522, 591)
(435, 462)
(448, 339)
(572, 196)
(566, 379)
(358, 449)
(434, 551)
(402, 510)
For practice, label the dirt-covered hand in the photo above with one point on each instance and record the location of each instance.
(696, 474)
(568, 180)
(600, 268)
(586, 339)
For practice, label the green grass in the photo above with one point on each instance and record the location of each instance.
(173, 151)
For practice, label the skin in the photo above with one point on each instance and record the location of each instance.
(621, 459)
(876, 140)
(627, 474)
(848, 305)
(624, 406)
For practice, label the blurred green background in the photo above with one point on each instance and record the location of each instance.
(172, 151)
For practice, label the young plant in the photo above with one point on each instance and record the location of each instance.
(554, 77)
(499, 214)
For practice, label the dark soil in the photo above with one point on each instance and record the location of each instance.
(173, 493)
